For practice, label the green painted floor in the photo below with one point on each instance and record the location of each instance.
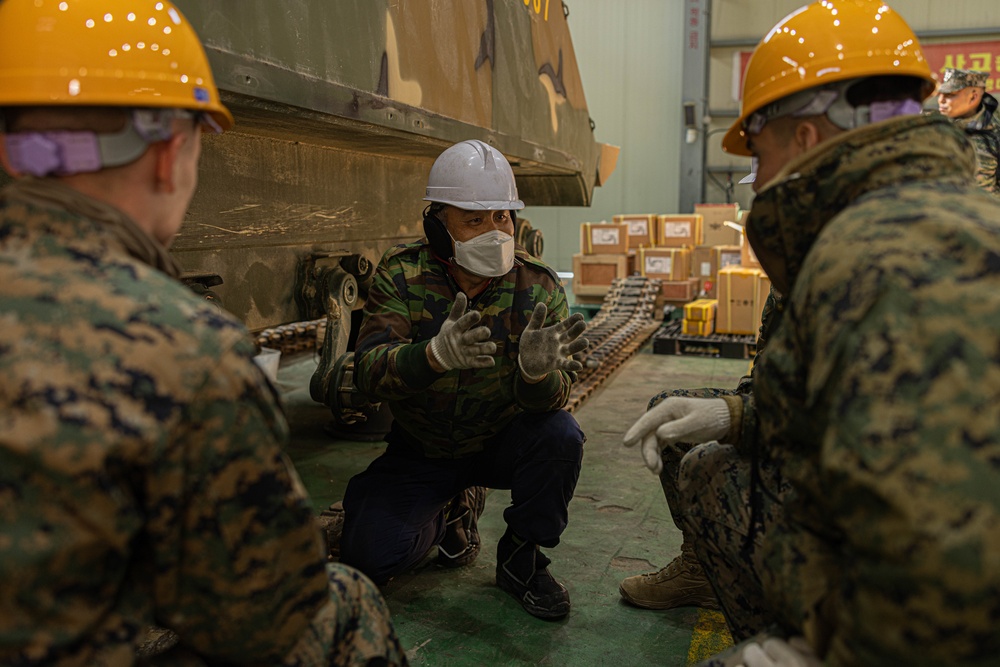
(619, 526)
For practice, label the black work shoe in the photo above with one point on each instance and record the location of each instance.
(522, 571)
(460, 545)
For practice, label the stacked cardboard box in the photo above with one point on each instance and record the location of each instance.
(706, 262)
(602, 238)
(741, 299)
(714, 219)
(668, 264)
(641, 229)
(699, 317)
(678, 231)
(686, 252)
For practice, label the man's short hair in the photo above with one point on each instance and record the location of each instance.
(887, 88)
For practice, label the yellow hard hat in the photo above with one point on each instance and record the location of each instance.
(128, 53)
(822, 43)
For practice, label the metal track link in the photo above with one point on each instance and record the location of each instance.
(624, 323)
(294, 337)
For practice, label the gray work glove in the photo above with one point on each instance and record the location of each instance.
(678, 419)
(458, 345)
(774, 652)
(548, 349)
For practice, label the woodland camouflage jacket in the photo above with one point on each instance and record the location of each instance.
(878, 393)
(456, 413)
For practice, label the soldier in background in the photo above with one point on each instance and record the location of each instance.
(466, 336)
(142, 479)
(963, 98)
(874, 404)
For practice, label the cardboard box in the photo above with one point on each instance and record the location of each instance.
(714, 232)
(739, 304)
(706, 262)
(664, 263)
(698, 327)
(678, 231)
(592, 274)
(701, 310)
(763, 289)
(641, 229)
(601, 238)
(678, 290)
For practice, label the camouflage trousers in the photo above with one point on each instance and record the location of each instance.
(708, 491)
(728, 521)
(672, 456)
(352, 630)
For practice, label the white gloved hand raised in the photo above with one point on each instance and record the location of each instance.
(458, 345)
(678, 419)
(543, 350)
(775, 652)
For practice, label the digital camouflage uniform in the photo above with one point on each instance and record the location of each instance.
(672, 455)
(981, 128)
(703, 518)
(984, 133)
(141, 476)
(459, 428)
(877, 397)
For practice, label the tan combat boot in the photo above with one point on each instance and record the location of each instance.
(682, 583)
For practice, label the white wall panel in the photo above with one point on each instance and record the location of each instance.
(629, 55)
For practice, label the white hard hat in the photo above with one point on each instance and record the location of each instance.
(473, 175)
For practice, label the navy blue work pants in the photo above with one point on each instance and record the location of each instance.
(394, 511)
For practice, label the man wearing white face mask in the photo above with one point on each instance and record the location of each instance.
(467, 337)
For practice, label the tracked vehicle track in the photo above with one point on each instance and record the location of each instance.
(625, 322)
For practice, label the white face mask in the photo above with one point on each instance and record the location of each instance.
(489, 255)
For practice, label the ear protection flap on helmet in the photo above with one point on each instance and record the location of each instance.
(437, 234)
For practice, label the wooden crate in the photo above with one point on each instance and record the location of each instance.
(592, 274)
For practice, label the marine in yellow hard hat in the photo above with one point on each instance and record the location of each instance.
(123, 53)
(139, 55)
(817, 47)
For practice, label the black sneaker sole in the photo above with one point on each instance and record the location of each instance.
(548, 612)
(467, 557)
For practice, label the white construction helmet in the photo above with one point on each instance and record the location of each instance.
(473, 175)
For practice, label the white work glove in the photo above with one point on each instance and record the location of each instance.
(678, 419)
(774, 652)
(548, 349)
(458, 345)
